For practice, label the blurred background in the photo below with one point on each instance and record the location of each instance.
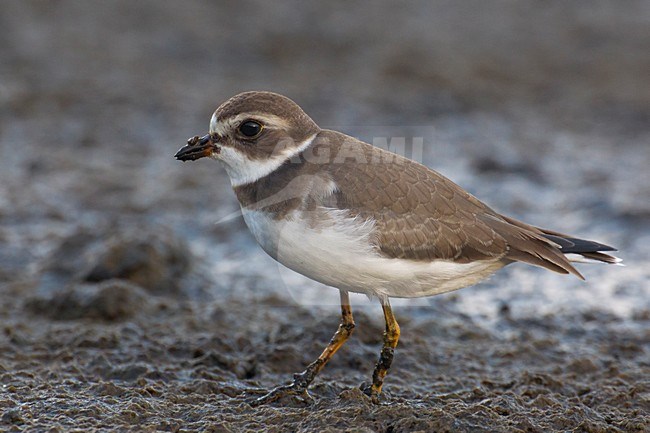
(541, 109)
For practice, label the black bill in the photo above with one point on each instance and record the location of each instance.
(197, 148)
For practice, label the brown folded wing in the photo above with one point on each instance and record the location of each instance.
(421, 215)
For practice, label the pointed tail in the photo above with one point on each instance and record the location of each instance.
(554, 250)
(581, 250)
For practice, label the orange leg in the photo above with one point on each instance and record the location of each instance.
(391, 337)
(301, 381)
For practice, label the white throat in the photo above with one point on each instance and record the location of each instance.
(243, 170)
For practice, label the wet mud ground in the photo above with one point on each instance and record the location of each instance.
(131, 301)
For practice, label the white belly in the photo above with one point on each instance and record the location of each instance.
(339, 252)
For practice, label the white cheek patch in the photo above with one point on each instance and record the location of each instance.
(243, 170)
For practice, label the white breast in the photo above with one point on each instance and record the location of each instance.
(328, 246)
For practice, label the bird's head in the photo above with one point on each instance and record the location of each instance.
(252, 134)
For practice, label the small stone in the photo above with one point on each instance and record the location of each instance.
(111, 300)
(13, 416)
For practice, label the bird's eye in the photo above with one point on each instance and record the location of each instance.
(250, 128)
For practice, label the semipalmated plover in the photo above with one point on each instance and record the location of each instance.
(362, 219)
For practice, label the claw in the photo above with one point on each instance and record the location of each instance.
(371, 392)
(295, 389)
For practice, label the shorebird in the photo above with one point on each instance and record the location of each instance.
(362, 219)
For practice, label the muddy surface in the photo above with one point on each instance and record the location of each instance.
(134, 299)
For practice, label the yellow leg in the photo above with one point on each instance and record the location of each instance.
(391, 337)
(340, 337)
(301, 381)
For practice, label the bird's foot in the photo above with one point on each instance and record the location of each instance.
(297, 390)
(371, 391)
